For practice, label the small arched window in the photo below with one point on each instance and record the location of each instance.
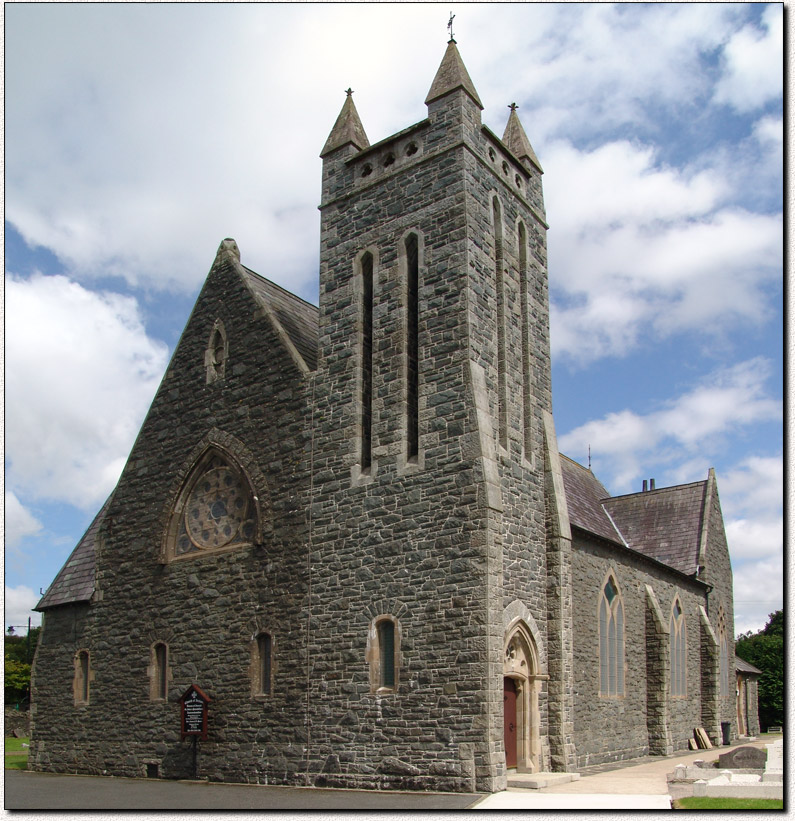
(383, 654)
(82, 678)
(678, 651)
(158, 672)
(611, 640)
(386, 648)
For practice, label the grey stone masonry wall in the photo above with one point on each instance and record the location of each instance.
(207, 609)
(717, 572)
(426, 537)
(646, 719)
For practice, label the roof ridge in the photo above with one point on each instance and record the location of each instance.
(657, 490)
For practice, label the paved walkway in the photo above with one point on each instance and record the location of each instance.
(636, 785)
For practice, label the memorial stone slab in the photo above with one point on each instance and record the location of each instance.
(743, 758)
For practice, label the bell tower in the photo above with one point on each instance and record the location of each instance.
(432, 388)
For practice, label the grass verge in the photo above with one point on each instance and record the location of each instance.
(16, 756)
(707, 803)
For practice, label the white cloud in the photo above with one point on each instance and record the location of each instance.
(18, 603)
(140, 167)
(758, 591)
(754, 64)
(642, 251)
(80, 374)
(19, 521)
(693, 424)
(755, 485)
(749, 538)
(754, 493)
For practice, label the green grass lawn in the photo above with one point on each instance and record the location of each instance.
(16, 755)
(707, 803)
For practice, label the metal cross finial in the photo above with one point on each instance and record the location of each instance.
(450, 26)
(349, 91)
(513, 106)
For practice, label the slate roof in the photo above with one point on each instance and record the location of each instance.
(75, 581)
(742, 666)
(584, 495)
(663, 524)
(298, 318)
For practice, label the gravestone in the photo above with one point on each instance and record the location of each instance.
(743, 758)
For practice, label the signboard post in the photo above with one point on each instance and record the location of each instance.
(194, 702)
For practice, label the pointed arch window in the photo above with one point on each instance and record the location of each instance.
(611, 640)
(216, 509)
(216, 354)
(678, 651)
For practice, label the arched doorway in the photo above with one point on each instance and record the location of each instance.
(521, 685)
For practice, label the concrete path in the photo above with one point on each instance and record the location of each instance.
(634, 785)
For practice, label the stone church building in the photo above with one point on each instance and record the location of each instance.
(351, 527)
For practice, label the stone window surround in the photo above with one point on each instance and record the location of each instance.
(612, 610)
(372, 655)
(83, 676)
(524, 257)
(360, 476)
(193, 475)
(498, 232)
(156, 674)
(217, 353)
(678, 634)
(256, 666)
(417, 463)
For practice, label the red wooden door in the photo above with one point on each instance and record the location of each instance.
(509, 711)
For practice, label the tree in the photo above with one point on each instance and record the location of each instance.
(22, 648)
(17, 680)
(765, 650)
(18, 655)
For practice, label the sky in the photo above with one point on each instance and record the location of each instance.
(138, 136)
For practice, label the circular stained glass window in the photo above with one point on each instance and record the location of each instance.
(217, 508)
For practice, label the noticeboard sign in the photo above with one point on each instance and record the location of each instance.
(194, 703)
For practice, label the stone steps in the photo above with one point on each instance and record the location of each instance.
(538, 781)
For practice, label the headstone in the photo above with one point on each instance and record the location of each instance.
(775, 757)
(743, 758)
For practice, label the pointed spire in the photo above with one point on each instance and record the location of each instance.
(347, 129)
(516, 139)
(452, 74)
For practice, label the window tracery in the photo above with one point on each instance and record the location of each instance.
(215, 510)
(678, 651)
(611, 640)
